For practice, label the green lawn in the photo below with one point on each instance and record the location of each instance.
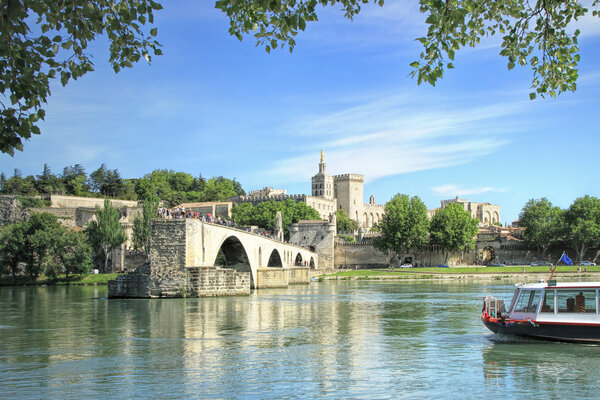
(83, 279)
(458, 270)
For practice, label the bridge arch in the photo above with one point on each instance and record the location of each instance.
(312, 263)
(275, 259)
(298, 260)
(234, 256)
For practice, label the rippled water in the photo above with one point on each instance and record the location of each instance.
(331, 340)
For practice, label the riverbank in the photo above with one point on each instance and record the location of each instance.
(78, 279)
(514, 273)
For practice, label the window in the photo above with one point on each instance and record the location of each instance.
(576, 301)
(548, 302)
(528, 301)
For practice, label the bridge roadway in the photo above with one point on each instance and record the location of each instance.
(192, 243)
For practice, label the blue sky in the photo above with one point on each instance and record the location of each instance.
(217, 106)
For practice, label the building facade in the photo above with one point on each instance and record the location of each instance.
(328, 194)
(486, 213)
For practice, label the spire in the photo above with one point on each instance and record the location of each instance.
(322, 156)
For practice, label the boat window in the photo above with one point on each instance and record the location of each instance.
(548, 302)
(576, 301)
(528, 301)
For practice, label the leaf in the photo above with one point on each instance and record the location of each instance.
(414, 64)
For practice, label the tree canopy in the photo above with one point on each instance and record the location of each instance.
(404, 225)
(540, 34)
(42, 244)
(543, 224)
(42, 40)
(344, 223)
(105, 233)
(582, 224)
(453, 228)
(263, 214)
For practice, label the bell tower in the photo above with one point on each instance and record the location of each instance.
(322, 183)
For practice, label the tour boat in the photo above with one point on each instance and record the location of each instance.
(547, 310)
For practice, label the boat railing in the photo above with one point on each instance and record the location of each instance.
(493, 307)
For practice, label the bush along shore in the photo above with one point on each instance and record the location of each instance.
(76, 279)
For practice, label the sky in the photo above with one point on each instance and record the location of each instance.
(213, 105)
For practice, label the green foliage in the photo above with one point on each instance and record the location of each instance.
(105, 233)
(74, 252)
(40, 238)
(453, 229)
(263, 215)
(12, 247)
(33, 202)
(543, 224)
(404, 225)
(582, 224)
(42, 40)
(343, 223)
(44, 246)
(178, 187)
(541, 34)
(142, 225)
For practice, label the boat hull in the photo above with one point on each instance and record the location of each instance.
(565, 332)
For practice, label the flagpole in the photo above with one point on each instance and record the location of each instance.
(554, 269)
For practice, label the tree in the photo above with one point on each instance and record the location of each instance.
(142, 225)
(40, 234)
(74, 252)
(12, 239)
(582, 223)
(105, 233)
(264, 214)
(97, 178)
(41, 40)
(343, 223)
(540, 34)
(543, 224)
(404, 225)
(75, 180)
(453, 229)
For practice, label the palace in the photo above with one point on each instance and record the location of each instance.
(329, 193)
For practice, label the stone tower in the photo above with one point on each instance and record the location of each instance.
(322, 183)
(349, 195)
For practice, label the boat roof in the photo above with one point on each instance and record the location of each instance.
(541, 285)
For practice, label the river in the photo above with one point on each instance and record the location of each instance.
(327, 340)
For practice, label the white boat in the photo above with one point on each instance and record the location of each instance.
(547, 310)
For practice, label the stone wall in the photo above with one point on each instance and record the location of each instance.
(215, 281)
(60, 201)
(132, 285)
(272, 278)
(11, 211)
(349, 255)
(167, 255)
(298, 276)
(318, 236)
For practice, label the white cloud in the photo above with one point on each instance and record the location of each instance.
(451, 190)
(392, 136)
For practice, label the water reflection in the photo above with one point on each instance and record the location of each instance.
(325, 340)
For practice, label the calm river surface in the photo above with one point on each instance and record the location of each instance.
(328, 340)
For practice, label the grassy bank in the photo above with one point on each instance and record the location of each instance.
(401, 273)
(83, 279)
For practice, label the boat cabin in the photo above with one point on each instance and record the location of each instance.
(559, 302)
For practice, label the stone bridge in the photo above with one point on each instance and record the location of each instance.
(183, 250)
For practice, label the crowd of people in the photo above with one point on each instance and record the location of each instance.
(181, 212)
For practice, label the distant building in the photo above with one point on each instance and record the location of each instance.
(486, 213)
(328, 194)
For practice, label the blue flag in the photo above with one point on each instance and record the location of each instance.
(565, 258)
